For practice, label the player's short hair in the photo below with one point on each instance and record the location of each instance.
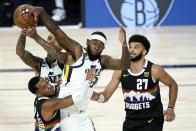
(141, 39)
(33, 81)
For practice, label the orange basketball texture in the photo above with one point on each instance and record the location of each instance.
(24, 19)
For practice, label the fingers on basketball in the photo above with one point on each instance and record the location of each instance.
(23, 18)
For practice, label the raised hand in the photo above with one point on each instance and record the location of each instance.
(122, 35)
(35, 11)
(91, 74)
(59, 82)
(31, 32)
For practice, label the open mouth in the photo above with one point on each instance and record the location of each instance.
(132, 55)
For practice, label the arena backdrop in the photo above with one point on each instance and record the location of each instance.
(142, 13)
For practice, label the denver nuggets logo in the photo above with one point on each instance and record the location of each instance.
(143, 13)
(146, 74)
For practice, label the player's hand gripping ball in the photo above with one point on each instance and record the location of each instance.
(23, 18)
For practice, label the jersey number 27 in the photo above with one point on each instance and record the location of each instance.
(142, 83)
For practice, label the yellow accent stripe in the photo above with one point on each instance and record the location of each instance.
(66, 72)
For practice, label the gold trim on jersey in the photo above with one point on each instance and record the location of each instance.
(66, 72)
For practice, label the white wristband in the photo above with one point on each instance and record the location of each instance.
(124, 45)
(88, 82)
(101, 98)
(170, 108)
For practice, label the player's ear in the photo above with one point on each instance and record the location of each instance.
(144, 52)
(38, 94)
(87, 41)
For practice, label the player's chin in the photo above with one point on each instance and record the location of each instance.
(52, 94)
(52, 91)
(94, 53)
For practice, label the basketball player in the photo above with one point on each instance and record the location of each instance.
(75, 118)
(48, 67)
(140, 86)
(47, 113)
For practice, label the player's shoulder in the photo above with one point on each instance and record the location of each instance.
(156, 68)
(105, 58)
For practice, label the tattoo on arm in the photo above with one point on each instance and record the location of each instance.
(66, 43)
(61, 57)
(31, 60)
(48, 22)
(20, 47)
(26, 56)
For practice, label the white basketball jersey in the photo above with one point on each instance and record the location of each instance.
(50, 73)
(75, 74)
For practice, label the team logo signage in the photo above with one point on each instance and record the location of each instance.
(143, 13)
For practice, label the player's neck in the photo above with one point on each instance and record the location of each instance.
(49, 60)
(137, 66)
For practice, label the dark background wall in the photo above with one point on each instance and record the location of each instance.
(7, 7)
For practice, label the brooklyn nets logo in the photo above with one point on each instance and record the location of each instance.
(143, 13)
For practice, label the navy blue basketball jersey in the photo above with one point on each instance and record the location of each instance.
(40, 123)
(141, 94)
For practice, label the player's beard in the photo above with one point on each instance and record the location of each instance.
(55, 92)
(138, 57)
(91, 56)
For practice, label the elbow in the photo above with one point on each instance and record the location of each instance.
(175, 85)
(19, 53)
(106, 100)
(41, 10)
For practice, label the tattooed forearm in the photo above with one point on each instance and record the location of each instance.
(30, 60)
(48, 22)
(20, 47)
(26, 56)
(63, 39)
(50, 49)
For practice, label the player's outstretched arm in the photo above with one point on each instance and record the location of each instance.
(51, 105)
(125, 59)
(66, 43)
(160, 74)
(109, 90)
(118, 64)
(26, 56)
(60, 56)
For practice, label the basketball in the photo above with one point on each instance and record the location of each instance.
(22, 18)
